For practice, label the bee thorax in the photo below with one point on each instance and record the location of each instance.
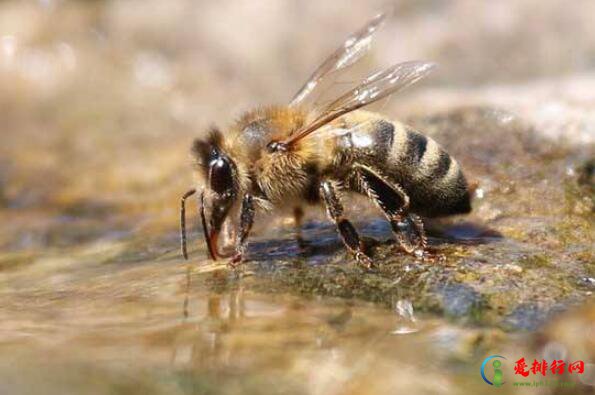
(283, 176)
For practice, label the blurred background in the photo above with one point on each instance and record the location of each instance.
(99, 102)
(107, 95)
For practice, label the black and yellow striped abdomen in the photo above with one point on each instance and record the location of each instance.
(433, 180)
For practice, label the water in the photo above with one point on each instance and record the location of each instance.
(126, 330)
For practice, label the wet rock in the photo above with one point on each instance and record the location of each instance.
(526, 317)
(458, 299)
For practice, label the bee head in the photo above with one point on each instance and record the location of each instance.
(221, 186)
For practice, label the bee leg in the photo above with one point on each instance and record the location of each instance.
(246, 221)
(334, 208)
(298, 215)
(403, 224)
(394, 202)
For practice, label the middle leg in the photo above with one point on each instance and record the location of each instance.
(334, 208)
(298, 216)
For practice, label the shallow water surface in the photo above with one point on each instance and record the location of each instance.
(144, 328)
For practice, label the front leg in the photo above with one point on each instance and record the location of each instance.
(334, 208)
(246, 221)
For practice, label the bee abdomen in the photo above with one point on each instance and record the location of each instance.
(432, 178)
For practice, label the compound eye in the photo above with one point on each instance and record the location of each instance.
(221, 179)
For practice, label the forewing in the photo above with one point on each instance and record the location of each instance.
(373, 88)
(352, 50)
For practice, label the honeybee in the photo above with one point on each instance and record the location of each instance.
(295, 155)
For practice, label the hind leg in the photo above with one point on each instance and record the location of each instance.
(394, 203)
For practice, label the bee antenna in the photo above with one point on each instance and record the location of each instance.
(183, 221)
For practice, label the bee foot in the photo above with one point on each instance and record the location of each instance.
(363, 260)
(420, 254)
(236, 261)
(429, 256)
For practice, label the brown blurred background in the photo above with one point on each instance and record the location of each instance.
(99, 100)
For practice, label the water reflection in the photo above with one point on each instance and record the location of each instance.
(317, 346)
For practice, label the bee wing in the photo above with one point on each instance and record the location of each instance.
(352, 50)
(373, 88)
